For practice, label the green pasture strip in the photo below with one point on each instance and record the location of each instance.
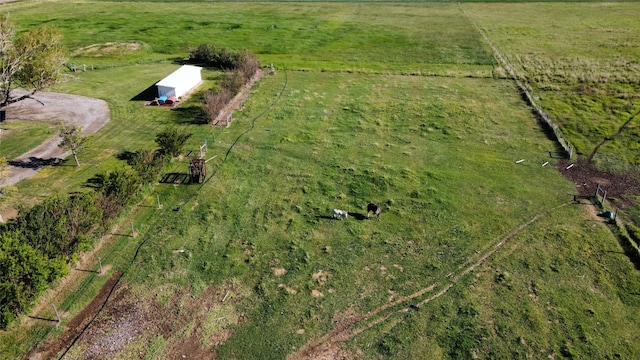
(423, 147)
(386, 36)
(582, 63)
(18, 137)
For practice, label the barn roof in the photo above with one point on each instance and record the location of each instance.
(178, 77)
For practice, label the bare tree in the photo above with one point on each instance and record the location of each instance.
(72, 140)
(32, 60)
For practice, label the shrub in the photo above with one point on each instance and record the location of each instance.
(24, 274)
(247, 64)
(215, 102)
(172, 140)
(233, 82)
(207, 54)
(54, 227)
(148, 164)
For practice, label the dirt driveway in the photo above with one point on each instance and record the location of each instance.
(91, 114)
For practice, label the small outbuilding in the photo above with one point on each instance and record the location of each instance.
(180, 82)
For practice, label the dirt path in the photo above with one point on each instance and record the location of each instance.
(77, 324)
(88, 113)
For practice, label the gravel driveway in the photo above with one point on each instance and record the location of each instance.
(91, 114)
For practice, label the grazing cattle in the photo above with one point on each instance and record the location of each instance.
(337, 213)
(375, 209)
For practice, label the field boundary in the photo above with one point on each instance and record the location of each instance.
(524, 91)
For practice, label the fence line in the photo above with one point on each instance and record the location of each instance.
(629, 242)
(525, 93)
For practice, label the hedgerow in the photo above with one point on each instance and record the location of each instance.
(37, 247)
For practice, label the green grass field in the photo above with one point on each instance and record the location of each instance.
(582, 64)
(391, 103)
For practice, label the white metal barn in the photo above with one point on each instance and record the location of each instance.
(180, 81)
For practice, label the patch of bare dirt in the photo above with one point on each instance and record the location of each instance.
(129, 322)
(279, 271)
(76, 325)
(586, 177)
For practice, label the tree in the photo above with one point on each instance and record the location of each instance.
(172, 140)
(25, 273)
(32, 60)
(72, 140)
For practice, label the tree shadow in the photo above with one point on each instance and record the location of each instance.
(127, 156)
(194, 115)
(95, 182)
(35, 163)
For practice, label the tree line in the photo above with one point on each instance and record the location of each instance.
(40, 244)
(240, 67)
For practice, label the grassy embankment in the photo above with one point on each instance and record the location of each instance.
(438, 152)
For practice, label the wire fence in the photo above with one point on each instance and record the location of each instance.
(628, 234)
(524, 91)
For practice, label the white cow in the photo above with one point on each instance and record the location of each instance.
(337, 213)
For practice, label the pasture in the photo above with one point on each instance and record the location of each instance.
(475, 253)
(582, 65)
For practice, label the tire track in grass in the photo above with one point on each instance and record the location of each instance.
(358, 324)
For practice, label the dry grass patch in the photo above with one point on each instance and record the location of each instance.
(109, 49)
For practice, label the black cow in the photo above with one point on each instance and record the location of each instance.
(374, 208)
